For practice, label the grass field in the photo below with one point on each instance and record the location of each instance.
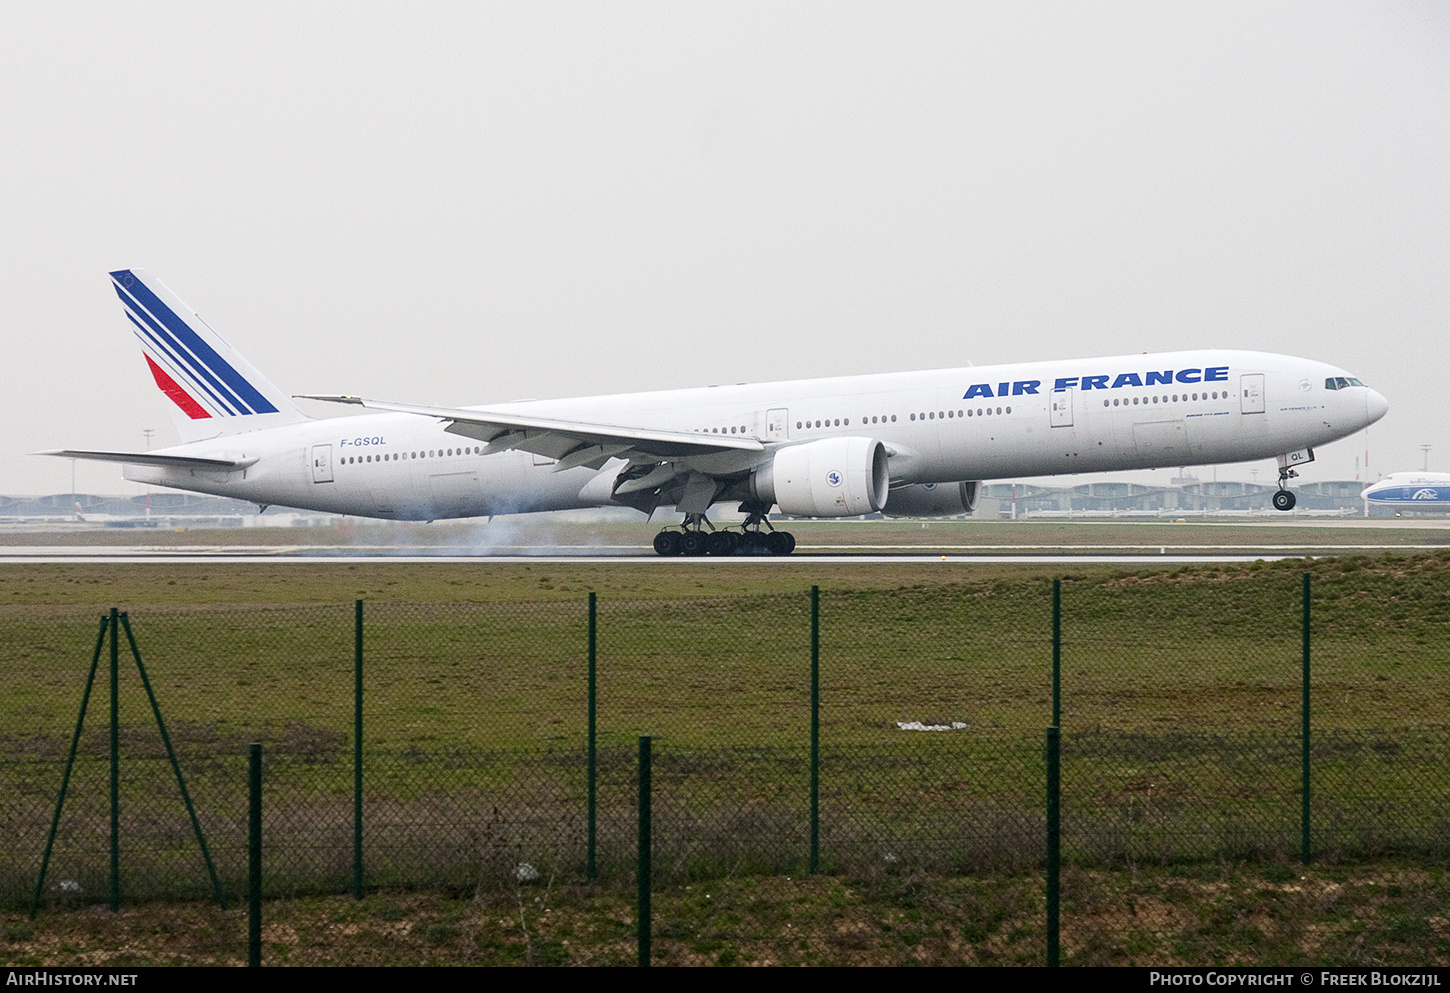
(1180, 699)
(494, 655)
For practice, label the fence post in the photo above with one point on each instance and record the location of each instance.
(115, 768)
(357, 751)
(1304, 737)
(69, 763)
(1054, 840)
(1054, 780)
(815, 729)
(642, 871)
(591, 870)
(254, 856)
(175, 765)
(1057, 653)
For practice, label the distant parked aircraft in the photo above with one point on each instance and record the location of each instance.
(1411, 491)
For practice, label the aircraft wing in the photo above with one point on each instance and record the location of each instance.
(573, 443)
(146, 458)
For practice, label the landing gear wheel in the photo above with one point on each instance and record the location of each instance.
(667, 543)
(694, 542)
(751, 543)
(723, 543)
(1284, 500)
(780, 542)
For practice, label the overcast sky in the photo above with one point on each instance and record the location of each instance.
(472, 202)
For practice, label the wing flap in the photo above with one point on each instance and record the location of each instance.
(590, 456)
(510, 430)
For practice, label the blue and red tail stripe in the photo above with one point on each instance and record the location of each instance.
(152, 347)
(174, 341)
(178, 396)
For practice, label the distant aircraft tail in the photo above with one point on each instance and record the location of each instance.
(213, 390)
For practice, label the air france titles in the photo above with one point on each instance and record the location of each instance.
(1153, 377)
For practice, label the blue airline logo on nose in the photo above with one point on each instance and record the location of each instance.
(1153, 377)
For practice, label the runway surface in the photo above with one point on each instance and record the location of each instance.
(895, 543)
(638, 554)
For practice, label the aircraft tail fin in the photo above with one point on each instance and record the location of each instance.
(213, 390)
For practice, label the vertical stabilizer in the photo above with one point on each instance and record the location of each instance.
(213, 390)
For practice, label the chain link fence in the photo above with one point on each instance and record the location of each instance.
(1181, 705)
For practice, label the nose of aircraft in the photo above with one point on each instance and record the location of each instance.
(1375, 406)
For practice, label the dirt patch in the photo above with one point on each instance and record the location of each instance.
(1280, 915)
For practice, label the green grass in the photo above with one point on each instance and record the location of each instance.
(458, 819)
(1181, 699)
(1203, 647)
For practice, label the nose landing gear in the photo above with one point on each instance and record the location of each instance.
(1284, 498)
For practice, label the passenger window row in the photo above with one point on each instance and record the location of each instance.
(925, 415)
(1166, 398)
(969, 412)
(405, 456)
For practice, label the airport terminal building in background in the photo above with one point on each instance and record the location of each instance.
(1182, 497)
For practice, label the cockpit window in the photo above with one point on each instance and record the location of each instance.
(1331, 383)
(1341, 382)
(1354, 382)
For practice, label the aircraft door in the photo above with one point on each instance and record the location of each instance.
(321, 463)
(1251, 393)
(1062, 408)
(456, 494)
(775, 424)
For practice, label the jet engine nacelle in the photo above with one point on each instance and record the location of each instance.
(934, 500)
(833, 477)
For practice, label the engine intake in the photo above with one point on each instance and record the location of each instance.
(934, 500)
(833, 477)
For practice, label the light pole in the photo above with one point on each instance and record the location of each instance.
(148, 432)
(1425, 466)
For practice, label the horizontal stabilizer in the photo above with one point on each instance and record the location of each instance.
(161, 461)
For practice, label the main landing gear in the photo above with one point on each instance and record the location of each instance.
(693, 539)
(1284, 498)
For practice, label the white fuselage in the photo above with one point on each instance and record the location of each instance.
(976, 423)
(1411, 491)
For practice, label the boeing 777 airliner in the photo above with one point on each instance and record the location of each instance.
(904, 443)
